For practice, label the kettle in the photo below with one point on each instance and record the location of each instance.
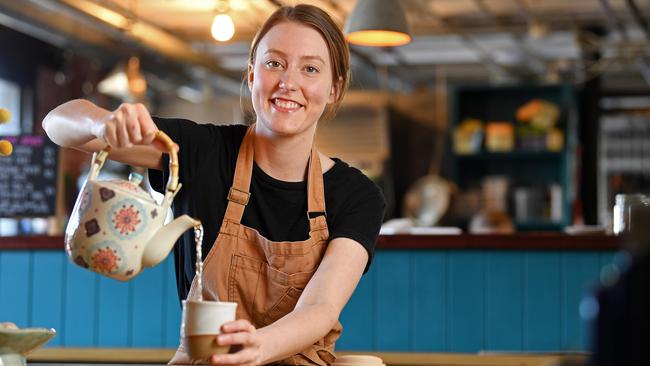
(117, 228)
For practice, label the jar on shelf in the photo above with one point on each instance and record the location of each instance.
(631, 220)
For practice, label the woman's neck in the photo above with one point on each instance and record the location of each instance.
(283, 158)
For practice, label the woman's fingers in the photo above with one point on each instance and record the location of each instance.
(147, 126)
(243, 338)
(128, 125)
(241, 334)
(240, 325)
(247, 356)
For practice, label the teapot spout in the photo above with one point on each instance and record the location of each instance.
(162, 242)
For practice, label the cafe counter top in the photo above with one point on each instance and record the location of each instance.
(522, 241)
(119, 356)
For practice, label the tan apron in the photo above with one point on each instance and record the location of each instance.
(266, 278)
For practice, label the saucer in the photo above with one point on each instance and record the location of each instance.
(23, 341)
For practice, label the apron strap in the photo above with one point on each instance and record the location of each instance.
(315, 193)
(239, 193)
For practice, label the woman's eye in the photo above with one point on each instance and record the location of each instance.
(273, 64)
(311, 69)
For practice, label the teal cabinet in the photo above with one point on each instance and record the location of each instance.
(528, 169)
(424, 300)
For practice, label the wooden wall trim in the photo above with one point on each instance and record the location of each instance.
(536, 241)
(533, 241)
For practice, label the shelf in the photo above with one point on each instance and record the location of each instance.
(539, 226)
(512, 156)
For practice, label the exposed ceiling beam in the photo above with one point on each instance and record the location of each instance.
(531, 58)
(498, 70)
(147, 34)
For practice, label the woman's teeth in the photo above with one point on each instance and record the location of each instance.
(286, 104)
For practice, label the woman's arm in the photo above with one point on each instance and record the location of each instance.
(129, 130)
(315, 314)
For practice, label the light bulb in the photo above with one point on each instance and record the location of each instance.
(222, 27)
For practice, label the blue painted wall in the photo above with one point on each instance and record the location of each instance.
(410, 300)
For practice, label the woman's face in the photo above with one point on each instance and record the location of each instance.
(291, 80)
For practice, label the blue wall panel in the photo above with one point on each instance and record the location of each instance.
(15, 287)
(429, 278)
(147, 315)
(172, 306)
(466, 301)
(392, 299)
(581, 272)
(47, 297)
(504, 301)
(417, 300)
(114, 318)
(542, 301)
(80, 314)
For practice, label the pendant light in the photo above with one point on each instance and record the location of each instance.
(378, 23)
(222, 26)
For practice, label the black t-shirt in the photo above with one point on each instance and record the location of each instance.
(277, 209)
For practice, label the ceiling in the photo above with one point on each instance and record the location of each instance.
(463, 40)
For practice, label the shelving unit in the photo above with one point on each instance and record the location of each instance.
(524, 168)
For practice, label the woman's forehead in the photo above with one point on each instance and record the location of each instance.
(294, 40)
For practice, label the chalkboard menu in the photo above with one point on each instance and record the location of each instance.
(28, 177)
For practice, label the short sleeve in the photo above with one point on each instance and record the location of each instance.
(361, 215)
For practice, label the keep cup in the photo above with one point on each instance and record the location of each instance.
(201, 323)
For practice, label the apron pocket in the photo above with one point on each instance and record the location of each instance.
(286, 303)
(243, 279)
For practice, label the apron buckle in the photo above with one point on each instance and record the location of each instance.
(238, 196)
(315, 214)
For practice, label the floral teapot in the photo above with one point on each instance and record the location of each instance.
(116, 228)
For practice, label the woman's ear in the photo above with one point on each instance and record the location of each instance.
(251, 76)
(334, 92)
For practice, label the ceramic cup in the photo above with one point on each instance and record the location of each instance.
(201, 324)
(358, 360)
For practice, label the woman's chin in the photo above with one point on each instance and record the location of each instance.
(284, 127)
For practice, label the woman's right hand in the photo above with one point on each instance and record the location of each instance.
(128, 125)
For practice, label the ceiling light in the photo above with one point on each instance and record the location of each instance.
(125, 82)
(222, 27)
(379, 23)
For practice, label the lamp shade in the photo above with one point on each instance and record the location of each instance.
(379, 23)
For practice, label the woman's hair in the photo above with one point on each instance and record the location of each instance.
(319, 20)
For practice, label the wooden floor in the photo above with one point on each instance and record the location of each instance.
(162, 355)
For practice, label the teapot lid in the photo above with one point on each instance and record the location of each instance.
(132, 186)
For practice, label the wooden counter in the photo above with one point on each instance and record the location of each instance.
(532, 241)
(162, 355)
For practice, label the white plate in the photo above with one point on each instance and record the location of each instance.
(25, 340)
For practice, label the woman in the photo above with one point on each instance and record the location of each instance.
(293, 230)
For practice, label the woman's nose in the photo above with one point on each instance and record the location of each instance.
(287, 81)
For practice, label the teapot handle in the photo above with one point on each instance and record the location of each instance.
(172, 184)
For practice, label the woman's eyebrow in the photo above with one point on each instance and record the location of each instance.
(307, 57)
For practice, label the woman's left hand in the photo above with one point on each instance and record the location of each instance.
(242, 338)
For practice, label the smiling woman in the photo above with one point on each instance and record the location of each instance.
(288, 231)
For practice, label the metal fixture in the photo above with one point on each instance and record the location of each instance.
(378, 23)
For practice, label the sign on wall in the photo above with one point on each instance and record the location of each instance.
(28, 177)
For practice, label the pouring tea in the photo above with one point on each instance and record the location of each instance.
(117, 228)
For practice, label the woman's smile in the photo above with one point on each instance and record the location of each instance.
(285, 105)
